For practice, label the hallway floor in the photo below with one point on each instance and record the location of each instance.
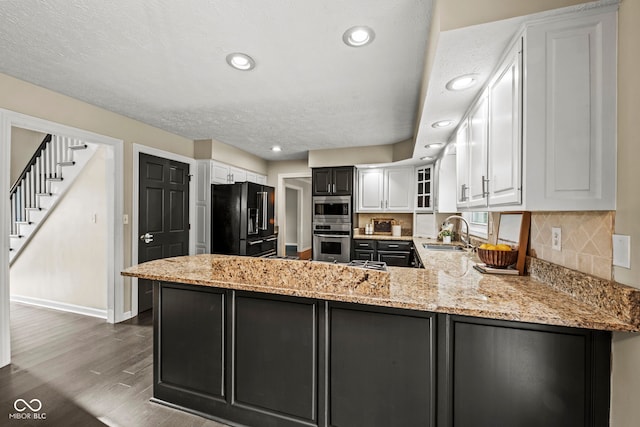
(84, 371)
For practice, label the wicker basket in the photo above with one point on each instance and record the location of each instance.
(498, 259)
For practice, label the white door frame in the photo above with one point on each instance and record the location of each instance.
(299, 219)
(137, 149)
(281, 207)
(115, 199)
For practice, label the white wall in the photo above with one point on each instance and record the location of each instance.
(291, 202)
(65, 261)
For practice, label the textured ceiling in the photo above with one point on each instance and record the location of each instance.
(163, 62)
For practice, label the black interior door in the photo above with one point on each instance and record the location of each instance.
(163, 222)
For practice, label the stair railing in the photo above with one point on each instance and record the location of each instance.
(44, 166)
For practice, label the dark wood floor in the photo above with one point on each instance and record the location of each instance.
(85, 372)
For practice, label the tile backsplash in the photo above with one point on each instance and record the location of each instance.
(403, 219)
(586, 240)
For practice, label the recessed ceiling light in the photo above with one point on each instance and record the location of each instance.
(462, 82)
(358, 36)
(442, 124)
(276, 148)
(435, 145)
(426, 158)
(241, 61)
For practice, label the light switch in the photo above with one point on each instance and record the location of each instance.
(622, 250)
(125, 219)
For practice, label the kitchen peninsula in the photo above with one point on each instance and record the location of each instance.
(270, 342)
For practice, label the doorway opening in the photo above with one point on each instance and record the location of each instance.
(112, 178)
(294, 209)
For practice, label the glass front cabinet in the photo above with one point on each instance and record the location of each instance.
(424, 188)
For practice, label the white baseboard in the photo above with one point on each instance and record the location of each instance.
(62, 306)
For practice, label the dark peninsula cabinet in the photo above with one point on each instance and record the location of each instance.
(266, 360)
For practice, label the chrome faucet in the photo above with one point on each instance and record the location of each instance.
(467, 242)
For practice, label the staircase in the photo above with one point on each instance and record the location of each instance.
(43, 182)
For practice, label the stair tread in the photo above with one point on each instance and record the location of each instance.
(78, 147)
(44, 194)
(24, 222)
(16, 236)
(70, 163)
(54, 179)
(33, 209)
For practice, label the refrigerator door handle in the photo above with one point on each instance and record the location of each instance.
(262, 202)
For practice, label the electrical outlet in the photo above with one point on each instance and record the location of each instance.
(556, 238)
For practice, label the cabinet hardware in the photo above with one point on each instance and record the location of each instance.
(485, 186)
(328, 188)
(386, 204)
(334, 188)
(463, 191)
(255, 242)
(393, 246)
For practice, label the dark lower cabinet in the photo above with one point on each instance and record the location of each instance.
(275, 355)
(514, 374)
(381, 367)
(263, 360)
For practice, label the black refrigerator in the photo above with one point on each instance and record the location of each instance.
(242, 219)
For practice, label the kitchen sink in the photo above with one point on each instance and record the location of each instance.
(434, 247)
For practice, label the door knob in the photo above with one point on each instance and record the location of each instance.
(147, 237)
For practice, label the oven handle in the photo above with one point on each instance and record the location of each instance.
(340, 236)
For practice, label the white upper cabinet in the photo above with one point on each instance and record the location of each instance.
(505, 143)
(570, 113)
(370, 190)
(543, 134)
(445, 194)
(462, 163)
(477, 152)
(385, 190)
(225, 174)
(425, 188)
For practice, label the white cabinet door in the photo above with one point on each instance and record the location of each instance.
(398, 189)
(203, 205)
(446, 188)
(370, 190)
(478, 128)
(237, 175)
(570, 129)
(504, 144)
(462, 164)
(220, 173)
(425, 187)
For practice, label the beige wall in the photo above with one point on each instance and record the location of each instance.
(66, 259)
(351, 156)
(625, 410)
(24, 143)
(19, 96)
(299, 167)
(463, 13)
(212, 149)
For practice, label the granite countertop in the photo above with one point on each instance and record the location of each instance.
(447, 284)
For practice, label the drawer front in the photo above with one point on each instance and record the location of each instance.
(364, 244)
(394, 245)
(364, 255)
(397, 259)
